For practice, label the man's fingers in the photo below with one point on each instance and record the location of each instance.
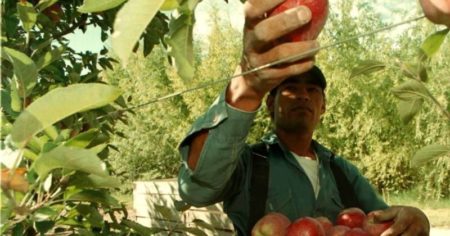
(396, 229)
(278, 74)
(385, 215)
(414, 230)
(281, 24)
(305, 49)
(256, 9)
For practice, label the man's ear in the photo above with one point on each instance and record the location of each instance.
(270, 100)
(324, 107)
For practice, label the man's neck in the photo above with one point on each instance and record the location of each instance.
(298, 143)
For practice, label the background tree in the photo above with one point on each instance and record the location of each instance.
(60, 112)
(148, 149)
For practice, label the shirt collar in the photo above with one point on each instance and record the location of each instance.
(321, 151)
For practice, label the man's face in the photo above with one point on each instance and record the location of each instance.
(297, 105)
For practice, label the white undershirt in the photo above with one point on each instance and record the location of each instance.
(311, 168)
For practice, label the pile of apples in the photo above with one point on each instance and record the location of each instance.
(350, 222)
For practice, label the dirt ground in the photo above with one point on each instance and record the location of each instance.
(439, 218)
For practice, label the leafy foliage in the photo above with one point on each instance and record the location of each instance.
(411, 83)
(58, 116)
(149, 148)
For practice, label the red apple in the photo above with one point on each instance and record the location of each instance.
(325, 222)
(305, 226)
(375, 228)
(437, 11)
(310, 31)
(338, 230)
(54, 12)
(271, 224)
(356, 232)
(351, 217)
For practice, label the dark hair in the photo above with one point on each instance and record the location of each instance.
(315, 73)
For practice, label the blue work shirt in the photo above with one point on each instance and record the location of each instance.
(223, 172)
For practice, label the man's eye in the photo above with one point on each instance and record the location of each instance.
(290, 88)
(313, 89)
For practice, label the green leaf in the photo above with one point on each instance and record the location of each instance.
(16, 103)
(49, 57)
(44, 226)
(6, 100)
(193, 231)
(409, 70)
(423, 74)
(432, 44)
(6, 208)
(27, 14)
(140, 229)
(58, 104)
(169, 5)
(181, 46)
(70, 158)
(203, 224)
(82, 140)
(164, 211)
(96, 196)
(127, 30)
(44, 213)
(99, 5)
(367, 67)
(83, 180)
(24, 69)
(410, 90)
(43, 4)
(407, 109)
(91, 214)
(429, 153)
(18, 230)
(181, 205)
(98, 148)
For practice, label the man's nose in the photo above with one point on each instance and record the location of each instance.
(302, 94)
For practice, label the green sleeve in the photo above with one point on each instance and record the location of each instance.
(366, 195)
(221, 155)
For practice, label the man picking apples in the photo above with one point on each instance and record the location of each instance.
(217, 163)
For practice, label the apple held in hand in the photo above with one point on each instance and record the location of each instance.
(351, 217)
(437, 11)
(273, 223)
(375, 228)
(305, 226)
(310, 31)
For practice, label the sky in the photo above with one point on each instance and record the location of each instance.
(233, 12)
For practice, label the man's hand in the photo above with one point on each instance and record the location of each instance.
(260, 34)
(408, 221)
(437, 11)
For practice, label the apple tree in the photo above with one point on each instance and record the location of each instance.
(59, 114)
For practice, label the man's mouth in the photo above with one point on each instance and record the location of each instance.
(302, 109)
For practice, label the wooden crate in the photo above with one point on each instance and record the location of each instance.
(148, 195)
